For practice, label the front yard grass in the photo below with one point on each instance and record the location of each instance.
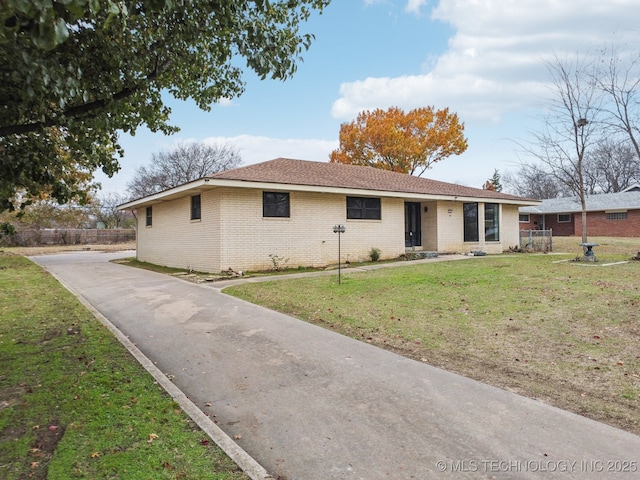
(75, 404)
(539, 325)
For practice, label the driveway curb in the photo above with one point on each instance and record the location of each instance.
(248, 464)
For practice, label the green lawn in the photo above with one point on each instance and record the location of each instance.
(75, 404)
(563, 332)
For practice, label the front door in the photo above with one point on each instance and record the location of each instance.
(412, 224)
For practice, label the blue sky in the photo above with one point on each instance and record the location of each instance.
(483, 59)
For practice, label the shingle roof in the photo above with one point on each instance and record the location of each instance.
(323, 174)
(595, 203)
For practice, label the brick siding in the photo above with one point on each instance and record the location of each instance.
(597, 225)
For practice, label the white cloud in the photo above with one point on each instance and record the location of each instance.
(493, 72)
(414, 6)
(225, 102)
(473, 97)
(255, 149)
(495, 62)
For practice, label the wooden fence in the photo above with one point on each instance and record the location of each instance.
(69, 236)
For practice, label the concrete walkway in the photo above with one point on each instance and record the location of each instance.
(307, 403)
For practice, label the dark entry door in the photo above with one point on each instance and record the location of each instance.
(412, 224)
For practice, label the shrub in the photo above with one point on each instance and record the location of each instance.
(279, 263)
(374, 254)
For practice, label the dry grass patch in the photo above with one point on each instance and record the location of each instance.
(52, 249)
(626, 246)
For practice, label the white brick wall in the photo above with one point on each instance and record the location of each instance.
(175, 240)
(305, 238)
(450, 229)
(233, 233)
(510, 227)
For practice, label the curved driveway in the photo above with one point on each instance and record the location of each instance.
(308, 403)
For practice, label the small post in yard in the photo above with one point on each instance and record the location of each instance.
(339, 229)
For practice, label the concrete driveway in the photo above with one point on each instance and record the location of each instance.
(307, 403)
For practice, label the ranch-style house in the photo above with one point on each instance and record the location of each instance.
(287, 209)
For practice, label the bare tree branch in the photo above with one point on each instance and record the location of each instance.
(184, 163)
(571, 126)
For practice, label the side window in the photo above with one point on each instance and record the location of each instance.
(364, 208)
(470, 212)
(195, 207)
(149, 216)
(275, 204)
(564, 217)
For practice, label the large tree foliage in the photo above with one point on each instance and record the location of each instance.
(49, 214)
(75, 73)
(183, 163)
(402, 142)
(493, 183)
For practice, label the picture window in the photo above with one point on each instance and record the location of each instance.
(364, 208)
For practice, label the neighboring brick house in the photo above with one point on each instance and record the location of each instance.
(241, 218)
(608, 215)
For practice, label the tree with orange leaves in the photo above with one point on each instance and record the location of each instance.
(401, 142)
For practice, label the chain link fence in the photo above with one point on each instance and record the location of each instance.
(536, 240)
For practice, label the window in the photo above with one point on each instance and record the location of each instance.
(491, 222)
(195, 207)
(275, 204)
(524, 218)
(564, 217)
(470, 213)
(149, 216)
(363, 208)
(616, 215)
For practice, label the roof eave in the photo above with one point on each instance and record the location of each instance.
(176, 192)
(208, 183)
